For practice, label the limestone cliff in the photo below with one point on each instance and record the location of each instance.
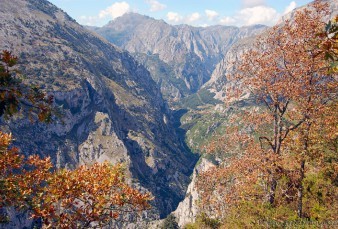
(188, 209)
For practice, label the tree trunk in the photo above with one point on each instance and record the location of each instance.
(302, 169)
(276, 150)
(272, 192)
(300, 190)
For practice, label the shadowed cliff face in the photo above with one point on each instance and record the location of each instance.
(113, 110)
(179, 58)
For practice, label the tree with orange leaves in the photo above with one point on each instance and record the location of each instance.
(89, 196)
(288, 74)
(329, 42)
(80, 198)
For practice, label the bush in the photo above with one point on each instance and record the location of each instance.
(204, 222)
(170, 223)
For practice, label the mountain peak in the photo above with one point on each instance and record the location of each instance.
(129, 20)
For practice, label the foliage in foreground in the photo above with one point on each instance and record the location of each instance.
(86, 196)
(286, 171)
(15, 96)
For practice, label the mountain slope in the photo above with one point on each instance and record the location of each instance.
(113, 109)
(180, 58)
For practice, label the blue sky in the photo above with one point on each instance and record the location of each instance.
(192, 12)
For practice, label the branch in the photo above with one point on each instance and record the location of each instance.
(283, 110)
(267, 104)
(25, 103)
(268, 140)
(291, 128)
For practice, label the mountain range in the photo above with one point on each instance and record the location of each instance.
(180, 58)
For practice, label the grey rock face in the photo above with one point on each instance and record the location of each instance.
(180, 58)
(20, 220)
(188, 209)
(218, 82)
(113, 110)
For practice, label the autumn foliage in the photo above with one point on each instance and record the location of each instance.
(88, 196)
(283, 151)
(329, 43)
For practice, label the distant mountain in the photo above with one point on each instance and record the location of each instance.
(113, 109)
(180, 58)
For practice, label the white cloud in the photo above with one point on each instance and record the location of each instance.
(194, 17)
(252, 3)
(251, 16)
(115, 10)
(89, 20)
(290, 7)
(174, 17)
(211, 15)
(111, 12)
(228, 21)
(259, 15)
(203, 25)
(155, 5)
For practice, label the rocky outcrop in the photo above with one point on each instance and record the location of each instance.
(219, 81)
(113, 110)
(188, 209)
(180, 58)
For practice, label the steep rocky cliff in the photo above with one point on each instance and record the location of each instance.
(218, 81)
(113, 110)
(180, 58)
(187, 210)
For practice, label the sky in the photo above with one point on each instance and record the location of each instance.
(191, 12)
